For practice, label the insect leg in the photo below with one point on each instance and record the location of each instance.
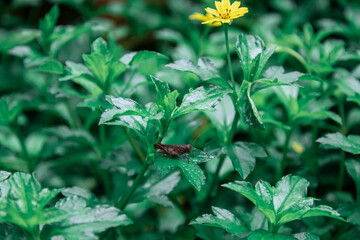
(187, 157)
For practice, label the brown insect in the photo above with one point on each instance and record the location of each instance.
(174, 150)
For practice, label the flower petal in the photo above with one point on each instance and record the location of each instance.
(198, 16)
(212, 12)
(240, 11)
(210, 21)
(218, 6)
(225, 5)
(235, 6)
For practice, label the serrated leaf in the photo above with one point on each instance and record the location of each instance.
(253, 55)
(125, 107)
(243, 156)
(285, 202)
(23, 201)
(191, 170)
(201, 99)
(83, 222)
(166, 100)
(136, 123)
(349, 144)
(205, 70)
(51, 66)
(247, 107)
(96, 63)
(223, 219)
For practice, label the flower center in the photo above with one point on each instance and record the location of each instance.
(226, 14)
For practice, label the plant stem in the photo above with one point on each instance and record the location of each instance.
(203, 36)
(284, 156)
(342, 153)
(134, 145)
(124, 201)
(214, 180)
(226, 31)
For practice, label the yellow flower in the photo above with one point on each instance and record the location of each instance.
(225, 12)
(202, 17)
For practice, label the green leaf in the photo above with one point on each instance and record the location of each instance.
(324, 211)
(349, 144)
(222, 219)
(125, 106)
(97, 64)
(309, 117)
(157, 188)
(247, 108)
(10, 108)
(166, 100)
(101, 46)
(51, 66)
(243, 156)
(84, 221)
(35, 143)
(4, 175)
(205, 70)
(253, 55)
(353, 168)
(18, 38)
(47, 24)
(191, 170)
(201, 99)
(285, 202)
(79, 74)
(23, 202)
(142, 56)
(136, 123)
(355, 99)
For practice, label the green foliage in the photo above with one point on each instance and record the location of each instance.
(191, 170)
(283, 203)
(92, 90)
(24, 203)
(223, 219)
(349, 144)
